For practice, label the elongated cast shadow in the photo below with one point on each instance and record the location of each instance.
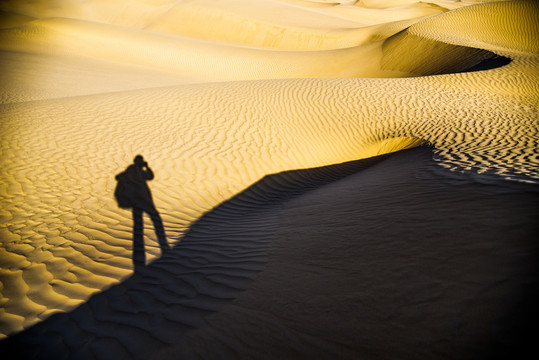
(163, 300)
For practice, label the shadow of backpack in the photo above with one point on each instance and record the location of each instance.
(123, 193)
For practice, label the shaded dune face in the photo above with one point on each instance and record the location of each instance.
(509, 27)
(63, 237)
(449, 58)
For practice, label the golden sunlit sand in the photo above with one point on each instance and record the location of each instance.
(220, 95)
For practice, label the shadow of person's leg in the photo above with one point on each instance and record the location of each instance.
(159, 230)
(139, 255)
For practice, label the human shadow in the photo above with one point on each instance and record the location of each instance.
(132, 192)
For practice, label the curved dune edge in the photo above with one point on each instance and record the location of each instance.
(193, 179)
(274, 25)
(275, 13)
(60, 224)
(449, 58)
(191, 58)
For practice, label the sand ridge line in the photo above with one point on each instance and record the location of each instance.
(273, 25)
(111, 231)
(288, 14)
(301, 145)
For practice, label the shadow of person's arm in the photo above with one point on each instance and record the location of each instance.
(147, 173)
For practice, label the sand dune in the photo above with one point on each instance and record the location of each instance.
(68, 49)
(289, 13)
(105, 87)
(150, 59)
(35, 76)
(317, 294)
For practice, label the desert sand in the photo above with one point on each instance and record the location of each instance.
(352, 179)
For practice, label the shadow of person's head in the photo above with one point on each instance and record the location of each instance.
(139, 161)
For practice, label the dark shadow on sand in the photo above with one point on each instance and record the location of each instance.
(156, 306)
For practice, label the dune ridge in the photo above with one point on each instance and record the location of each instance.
(202, 177)
(270, 26)
(92, 237)
(288, 14)
(63, 237)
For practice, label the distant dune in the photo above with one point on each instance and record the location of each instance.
(219, 95)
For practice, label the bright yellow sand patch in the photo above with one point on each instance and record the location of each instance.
(64, 238)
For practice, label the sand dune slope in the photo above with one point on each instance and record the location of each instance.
(184, 56)
(204, 157)
(199, 163)
(349, 286)
(237, 13)
(35, 76)
(63, 236)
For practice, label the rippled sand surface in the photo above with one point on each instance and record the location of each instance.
(220, 95)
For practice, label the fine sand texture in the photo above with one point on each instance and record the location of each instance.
(301, 224)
